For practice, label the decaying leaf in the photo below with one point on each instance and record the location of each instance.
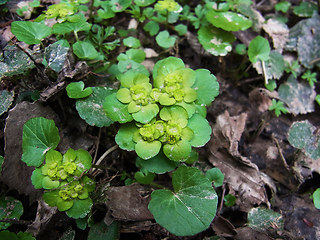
(278, 31)
(129, 203)
(299, 97)
(260, 98)
(240, 173)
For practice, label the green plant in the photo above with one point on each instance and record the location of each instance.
(62, 176)
(6, 235)
(169, 115)
(311, 77)
(278, 107)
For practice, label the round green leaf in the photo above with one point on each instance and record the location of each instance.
(300, 134)
(36, 178)
(47, 183)
(91, 109)
(30, 32)
(6, 99)
(51, 197)
(124, 137)
(201, 128)
(178, 152)
(165, 40)
(152, 27)
(207, 87)
(164, 67)
(146, 113)
(76, 90)
(84, 50)
(216, 41)
(316, 198)
(80, 208)
(158, 164)
(119, 5)
(229, 21)
(305, 9)
(9, 208)
(190, 208)
(116, 110)
(147, 150)
(215, 176)
(136, 55)
(131, 42)
(64, 205)
(68, 27)
(166, 100)
(56, 54)
(181, 29)
(39, 135)
(258, 49)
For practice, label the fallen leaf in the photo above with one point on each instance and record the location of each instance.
(129, 203)
(278, 31)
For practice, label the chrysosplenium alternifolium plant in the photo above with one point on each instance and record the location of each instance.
(168, 116)
(63, 177)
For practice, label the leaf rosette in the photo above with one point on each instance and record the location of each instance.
(177, 85)
(135, 98)
(173, 132)
(60, 175)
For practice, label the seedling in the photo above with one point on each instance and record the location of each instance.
(278, 107)
(311, 77)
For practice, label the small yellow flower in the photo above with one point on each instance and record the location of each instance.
(169, 5)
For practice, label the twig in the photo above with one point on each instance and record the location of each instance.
(222, 199)
(280, 152)
(105, 154)
(97, 146)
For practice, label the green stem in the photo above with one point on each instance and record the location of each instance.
(157, 185)
(76, 35)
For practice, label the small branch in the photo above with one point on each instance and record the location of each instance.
(264, 73)
(222, 199)
(97, 146)
(280, 152)
(104, 155)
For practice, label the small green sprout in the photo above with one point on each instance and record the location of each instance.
(278, 108)
(293, 68)
(311, 77)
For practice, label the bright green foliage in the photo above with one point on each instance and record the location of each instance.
(165, 40)
(258, 49)
(7, 235)
(1, 162)
(181, 29)
(318, 99)
(168, 5)
(84, 50)
(215, 40)
(76, 90)
(293, 68)
(61, 176)
(6, 99)
(39, 136)
(30, 32)
(10, 208)
(263, 219)
(143, 3)
(311, 77)
(190, 208)
(215, 176)
(305, 9)
(316, 198)
(174, 130)
(283, 6)
(229, 21)
(75, 23)
(229, 200)
(278, 107)
(302, 135)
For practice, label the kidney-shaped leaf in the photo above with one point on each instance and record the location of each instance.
(201, 129)
(30, 32)
(229, 21)
(91, 108)
(39, 135)
(190, 208)
(76, 90)
(258, 49)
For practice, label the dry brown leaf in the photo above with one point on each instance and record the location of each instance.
(278, 31)
(240, 173)
(223, 227)
(260, 98)
(129, 203)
